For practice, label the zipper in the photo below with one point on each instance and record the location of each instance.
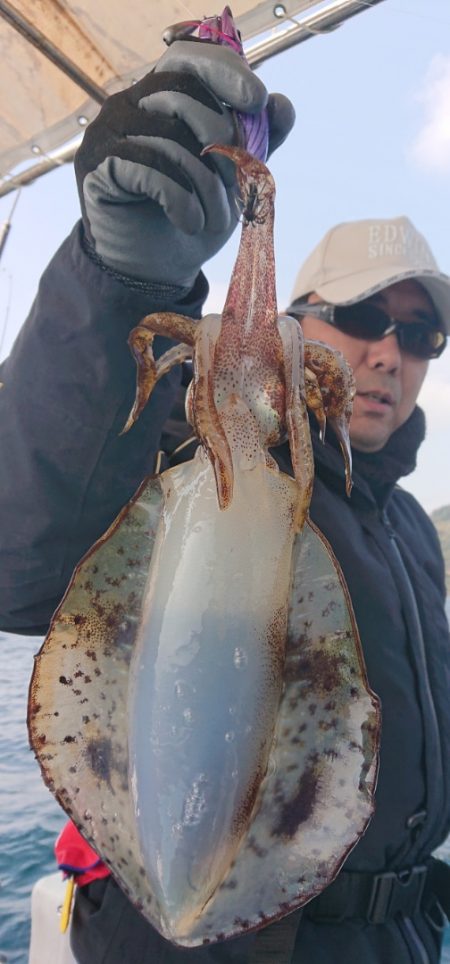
(413, 942)
(432, 739)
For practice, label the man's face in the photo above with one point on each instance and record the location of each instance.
(388, 380)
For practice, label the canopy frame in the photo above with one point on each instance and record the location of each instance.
(299, 29)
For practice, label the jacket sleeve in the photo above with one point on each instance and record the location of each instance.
(68, 386)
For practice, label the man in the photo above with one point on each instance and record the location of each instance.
(389, 361)
(153, 212)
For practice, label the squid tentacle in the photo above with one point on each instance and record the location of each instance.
(296, 413)
(207, 420)
(330, 376)
(149, 369)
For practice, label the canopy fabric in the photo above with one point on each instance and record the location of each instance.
(109, 42)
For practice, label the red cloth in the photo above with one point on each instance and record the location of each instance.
(75, 856)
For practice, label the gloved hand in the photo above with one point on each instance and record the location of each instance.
(153, 209)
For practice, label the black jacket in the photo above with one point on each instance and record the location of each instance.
(64, 475)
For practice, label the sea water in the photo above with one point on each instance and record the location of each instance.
(30, 818)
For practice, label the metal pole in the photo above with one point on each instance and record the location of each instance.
(64, 156)
(49, 50)
(323, 22)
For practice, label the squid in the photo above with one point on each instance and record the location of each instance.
(200, 706)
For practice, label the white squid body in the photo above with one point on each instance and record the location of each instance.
(206, 676)
(200, 706)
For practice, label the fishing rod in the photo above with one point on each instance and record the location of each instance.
(5, 228)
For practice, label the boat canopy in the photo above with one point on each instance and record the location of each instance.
(61, 58)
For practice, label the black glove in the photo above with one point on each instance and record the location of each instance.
(152, 207)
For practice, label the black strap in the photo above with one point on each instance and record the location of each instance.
(375, 898)
(276, 942)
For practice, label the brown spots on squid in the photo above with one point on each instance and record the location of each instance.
(103, 760)
(297, 810)
(353, 745)
(242, 923)
(276, 635)
(99, 756)
(245, 808)
(319, 671)
(325, 725)
(333, 755)
(229, 884)
(256, 848)
(115, 581)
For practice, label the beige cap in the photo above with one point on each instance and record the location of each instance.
(357, 258)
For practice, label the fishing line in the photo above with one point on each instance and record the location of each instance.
(6, 226)
(4, 232)
(7, 314)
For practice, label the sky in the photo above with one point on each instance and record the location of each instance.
(372, 139)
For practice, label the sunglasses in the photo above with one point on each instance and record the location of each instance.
(366, 321)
